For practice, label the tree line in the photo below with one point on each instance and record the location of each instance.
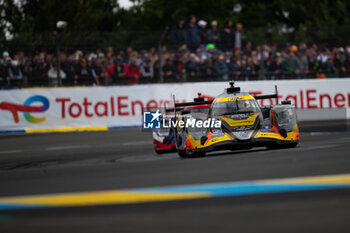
(30, 26)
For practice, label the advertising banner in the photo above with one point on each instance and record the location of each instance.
(100, 108)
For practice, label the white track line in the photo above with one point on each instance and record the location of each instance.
(67, 147)
(137, 143)
(9, 151)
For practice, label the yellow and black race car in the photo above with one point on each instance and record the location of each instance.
(236, 121)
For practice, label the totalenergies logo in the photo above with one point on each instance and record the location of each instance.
(26, 108)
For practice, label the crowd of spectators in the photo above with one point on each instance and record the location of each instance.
(199, 54)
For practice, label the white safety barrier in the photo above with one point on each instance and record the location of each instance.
(100, 108)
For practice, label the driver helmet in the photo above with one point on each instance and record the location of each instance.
(247, 104)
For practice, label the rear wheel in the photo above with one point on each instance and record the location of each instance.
(272, 146)
(277, 146)
(291, 145)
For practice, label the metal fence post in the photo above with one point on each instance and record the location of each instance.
(59, 80)
(262, 67)
(160, 53)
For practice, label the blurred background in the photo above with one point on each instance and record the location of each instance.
(110, 42)
(105, 176)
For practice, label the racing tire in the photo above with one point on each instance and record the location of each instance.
(277, 146)
(184, 154)
(159, 152)
(273, 147)
(291, 145)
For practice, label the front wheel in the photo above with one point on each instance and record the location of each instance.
(160, 151)
(185, 154)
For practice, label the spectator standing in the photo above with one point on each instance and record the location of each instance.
(39, 76)
(340, 62)
(256, 63)
(315, 65)
(235, 67)
(3, 76)
(27, 72)
(169, 71)
(179, 64)
(209, 69)
(238, 36)
(193, 37)
(275, 68)
(156, 71)
(192, 68)
(302, 63)
(298, 60)
(214, 34)
(147, 71)
(221, 68)
(250, 69)
(133, 72)
(119, 70)
(323, 56)
(227, 36)
(68, 66)
(203, 31)
(83, 72)
(328, 68)
(5, 56)
(348, 62)
(116, 71)
(96, 71)
(247, 69)
(128, 55)
(289, 64)
(215, 57)
(53, 75)
(247, 50)
(201, 70)
(179, 33)
(15, 73)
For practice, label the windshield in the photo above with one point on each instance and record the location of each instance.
(234, 107)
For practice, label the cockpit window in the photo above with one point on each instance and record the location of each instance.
(285, 117)
(234, 107)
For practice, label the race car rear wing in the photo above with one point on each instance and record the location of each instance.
(198, 102)
(179, 105)
(259, 97)
(193, 103)
(172, 109)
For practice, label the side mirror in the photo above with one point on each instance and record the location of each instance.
(283, 132)
(203, 140)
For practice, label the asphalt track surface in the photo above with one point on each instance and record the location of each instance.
(124, 159)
